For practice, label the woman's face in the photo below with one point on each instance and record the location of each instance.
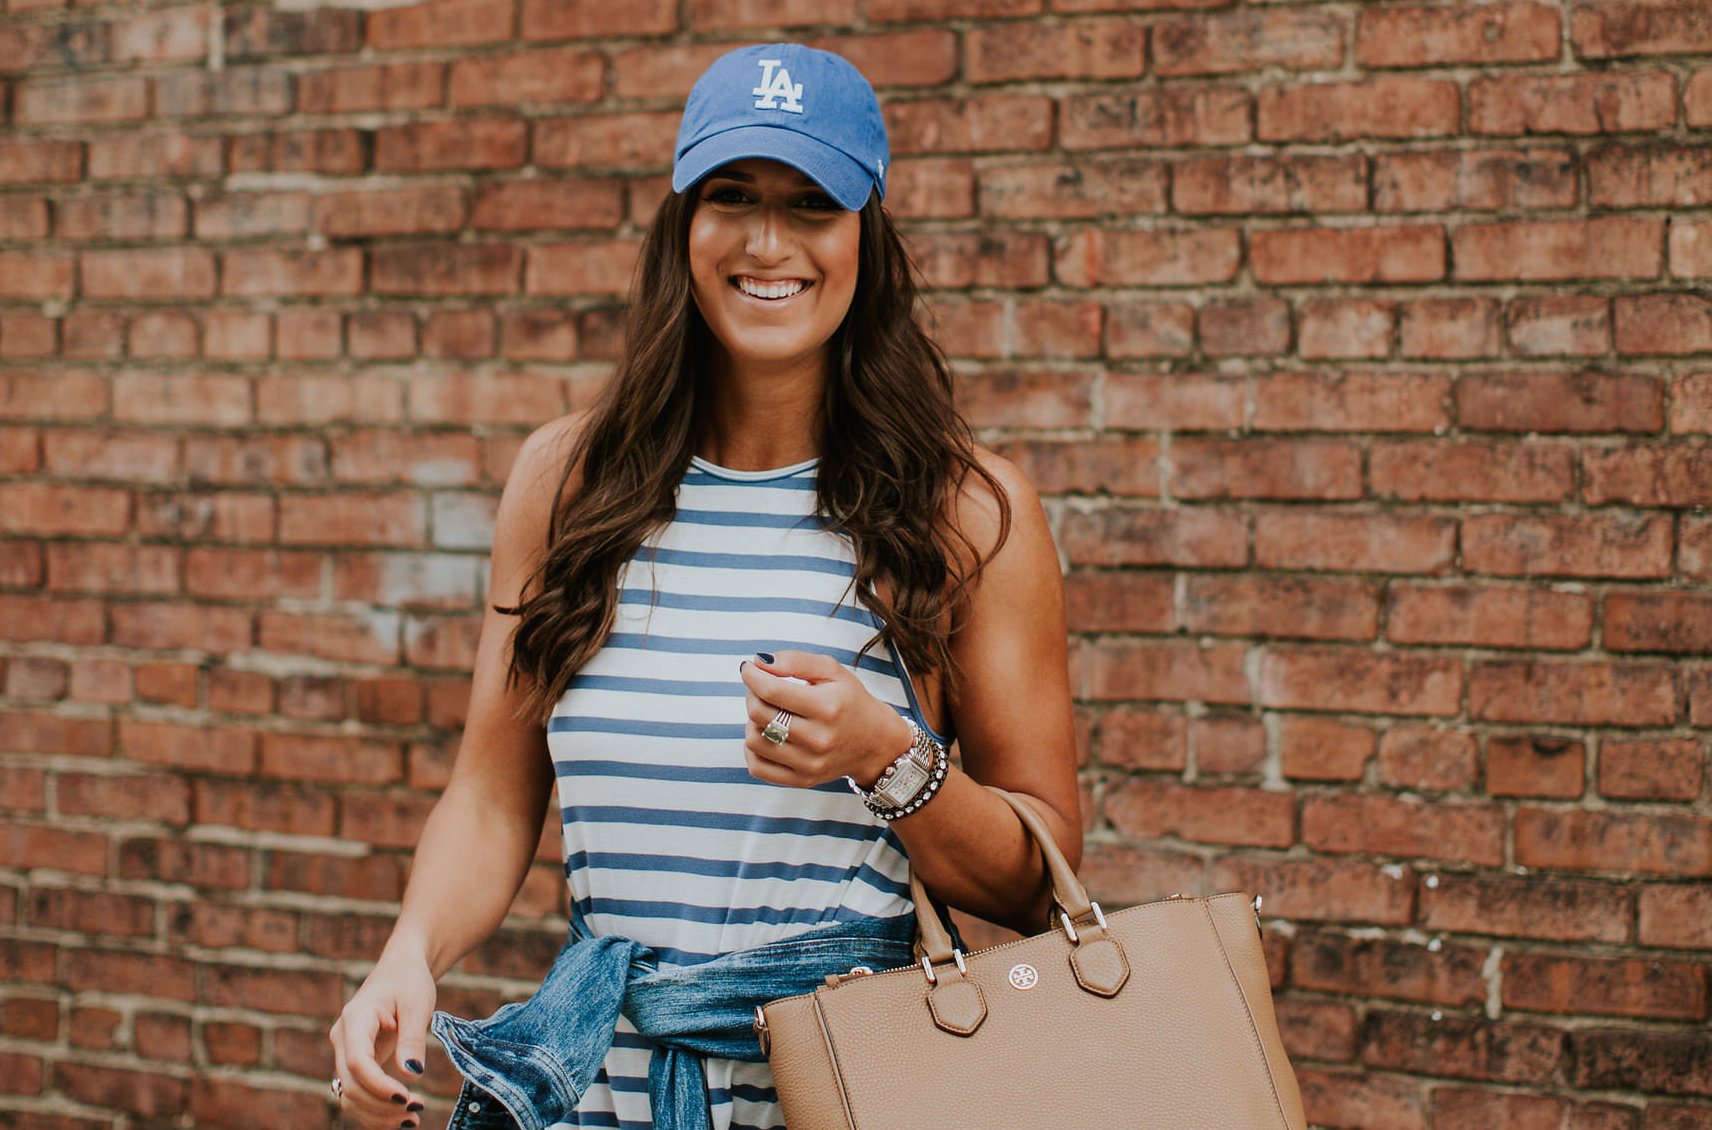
(772, 261)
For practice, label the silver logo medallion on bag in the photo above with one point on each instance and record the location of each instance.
(1024, 976)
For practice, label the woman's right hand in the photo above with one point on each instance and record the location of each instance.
(387, 1019)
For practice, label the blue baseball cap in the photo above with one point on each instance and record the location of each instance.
(809, 108)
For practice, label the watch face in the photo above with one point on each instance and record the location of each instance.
(907, 780)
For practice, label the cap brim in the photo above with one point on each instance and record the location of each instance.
(834, 170)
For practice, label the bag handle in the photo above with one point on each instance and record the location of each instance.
(1067, 890)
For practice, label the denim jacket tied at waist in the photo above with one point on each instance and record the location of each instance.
(535, 1059)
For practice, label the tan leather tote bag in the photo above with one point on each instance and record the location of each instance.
(1158, 1017)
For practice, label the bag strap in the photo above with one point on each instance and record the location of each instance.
(1067, 890)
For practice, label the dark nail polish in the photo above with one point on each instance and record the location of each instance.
(407, 1125)
(400, 1099)
(414, 1066)
(764, 657)
(414, 1107)
(742, 664)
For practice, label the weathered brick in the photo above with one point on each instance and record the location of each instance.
(1238, 185)
(1421, 757)
(1420, 36)
(1081, 189)
(1592, 545)
(1461, 1047)
(1348, 401)
(1347, 679)
(1342, 328)
(1535, 765)
(1385, 107)
(1604, 29)
(84, 99)
(426, 210)
(1079, 49)
(1153, 329)
(1651, 768)
(581, 268)
(441, 23)
(1571, 693)
(1503, 472)
(252, 272)
(1675, 914)
(918, 57)
(1122, 466)
(1121, 669)
(553, 19)
(1440, 180)
(332, 151)
(1203, 536)
(1658, 621)
(1197, 116)
(1152, 809)
(1535, 907)
(385, 86)
(561, 74)
(992, 122)
(458, 143)
(445, 268)
(1350, 540)
(1320, 749)
(1458, 1109)
(1560, 402)
(1559, 325)
(239, 90)
(1690, 248)
(1447, 975)
(1414, 253)
(1407, 827)
(1321, 888)
(1663, 324)
(1488, 616)
(1605, 247)
(1670, 843)
(1227, 42)
(1121, 601)
(1305, 607)
(1184, 257)
(1579, 103)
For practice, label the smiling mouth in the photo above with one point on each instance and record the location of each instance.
(769, 290)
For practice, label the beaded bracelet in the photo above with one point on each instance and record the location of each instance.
(938, 764)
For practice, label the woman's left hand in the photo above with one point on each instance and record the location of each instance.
(837, 727)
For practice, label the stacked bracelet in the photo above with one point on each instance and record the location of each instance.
(925, 761)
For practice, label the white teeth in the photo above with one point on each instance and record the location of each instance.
(755, 288)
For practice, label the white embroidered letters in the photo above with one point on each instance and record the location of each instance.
(776, 84)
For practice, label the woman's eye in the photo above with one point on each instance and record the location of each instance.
(818, 201)
(727, 195)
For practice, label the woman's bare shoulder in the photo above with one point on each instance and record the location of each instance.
(532, 490)
(1006, 505)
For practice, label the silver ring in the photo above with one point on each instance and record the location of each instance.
(337, 1086)
(778, 731)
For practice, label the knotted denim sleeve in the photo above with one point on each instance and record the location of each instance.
(537, 1058)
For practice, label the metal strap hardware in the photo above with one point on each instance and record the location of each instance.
(927, 966)
(1070, 927)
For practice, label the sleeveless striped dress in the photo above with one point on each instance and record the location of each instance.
(667, 838)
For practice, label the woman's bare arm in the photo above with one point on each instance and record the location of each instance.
(1010, 707)
(479, 839)
(1009, 704)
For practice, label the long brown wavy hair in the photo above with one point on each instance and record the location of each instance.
(894, 453)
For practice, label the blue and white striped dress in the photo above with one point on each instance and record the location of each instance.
(668, 839)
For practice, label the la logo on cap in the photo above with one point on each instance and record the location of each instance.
(776, 84)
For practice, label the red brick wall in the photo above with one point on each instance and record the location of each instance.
(1360, 349)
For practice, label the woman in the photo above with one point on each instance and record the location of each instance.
(688, 584)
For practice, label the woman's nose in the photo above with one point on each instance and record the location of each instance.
(768, 239)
